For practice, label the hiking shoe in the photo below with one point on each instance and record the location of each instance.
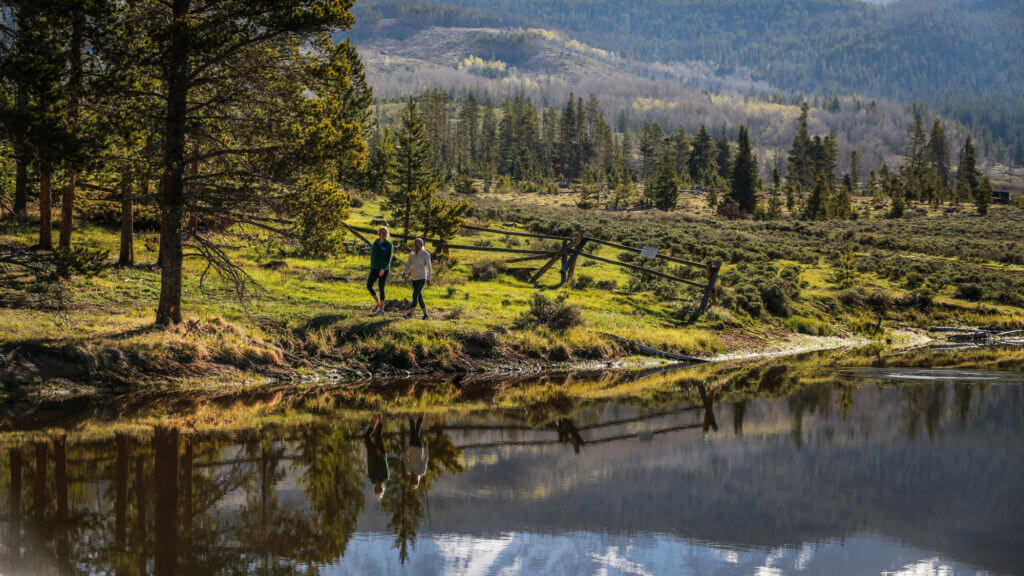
(425, 315)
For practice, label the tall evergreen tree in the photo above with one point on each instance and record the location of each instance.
(681, 148)
(704, 159)
(745, 181)
(800, 167)
(855, 172)
(663, 190)
(938, 153)
(967, 174)
(413, 170)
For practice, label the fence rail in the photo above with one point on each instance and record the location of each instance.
(567, 254)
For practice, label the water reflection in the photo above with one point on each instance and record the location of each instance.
(821, 477)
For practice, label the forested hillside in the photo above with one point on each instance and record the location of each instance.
(964, 56)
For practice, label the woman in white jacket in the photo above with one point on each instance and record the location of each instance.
(420, 271)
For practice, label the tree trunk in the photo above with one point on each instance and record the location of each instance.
(67, 206)
(20, 189)
(45, 210)
(127, 257)
(172, 198)
(21, 163)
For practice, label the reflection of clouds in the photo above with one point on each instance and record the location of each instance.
(929, 567)
(805, 556)
(598, 554)
(611, 559)
(469, 556)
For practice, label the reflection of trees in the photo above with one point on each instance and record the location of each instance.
(402, 502)
(332, 481)
(962, 399)
(813, 398)
(923, 402)
(739, 410)
(845, 401)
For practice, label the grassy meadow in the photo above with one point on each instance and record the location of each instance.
(784, 284)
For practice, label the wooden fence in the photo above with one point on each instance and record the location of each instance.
(566, 256)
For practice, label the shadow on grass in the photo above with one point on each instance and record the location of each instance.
(361, 328)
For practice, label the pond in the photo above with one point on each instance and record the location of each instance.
(860, 471)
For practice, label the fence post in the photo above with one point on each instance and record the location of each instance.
(709, 294)
(580, 241)
(564, 251)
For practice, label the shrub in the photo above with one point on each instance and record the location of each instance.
(969, 291)
(483, 271)
(582, 281)
(555, 314)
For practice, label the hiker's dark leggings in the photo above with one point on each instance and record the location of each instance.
(417, 294)
(375, 275)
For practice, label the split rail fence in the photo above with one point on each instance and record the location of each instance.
(571, 250)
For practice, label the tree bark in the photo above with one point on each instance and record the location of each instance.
(127, 257)
(67, 206)
(20, 189)
(172, 197)
(21, 164)
(45, 210)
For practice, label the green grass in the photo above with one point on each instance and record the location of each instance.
(312, 313)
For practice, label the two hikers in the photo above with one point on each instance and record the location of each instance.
(418, 269)
(414, 462)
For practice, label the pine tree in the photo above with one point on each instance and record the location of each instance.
(774, 200)
(967, 174)
(896, 193)
(651, 142)
(488, 142)
(211, 57)
(37, 117)
(938, 154)
(745, 181)
(841, 205)
(916, 155)
(855, 172)
(816, 207)
(468, 135)
(664, 188)
(983, 195)
(724, 157)
(413, 171)
(436, 217)
(681, 148)
(874, 189)
(703, 157)
(800, 167)
(381, 167)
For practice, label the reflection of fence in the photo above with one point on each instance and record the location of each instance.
(570, 250)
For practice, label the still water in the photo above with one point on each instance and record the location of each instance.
(880, 471)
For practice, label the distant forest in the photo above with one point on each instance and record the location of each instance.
(965, 58)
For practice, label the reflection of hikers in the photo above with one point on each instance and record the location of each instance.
(376, 457)
(709, 407)
(419, 270)
(567, 432)
(417, 456)
(381, 253)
